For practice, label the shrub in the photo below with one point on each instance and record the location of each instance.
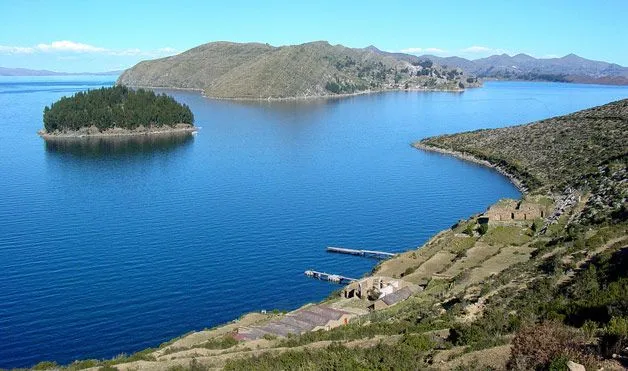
(615, 337)
(469, 229)
(46, 365)
(426, 63)
(220, 343)
(269, 337)
(408, 271)
(417, 342)
(547, 344)
(80, 365)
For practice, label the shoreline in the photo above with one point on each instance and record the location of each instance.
(329, 96)
(467, 157)
(305, 98)
(115, 133)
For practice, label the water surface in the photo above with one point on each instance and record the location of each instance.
(111, 248)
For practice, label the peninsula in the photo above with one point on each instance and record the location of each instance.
(116, 111)
(255, 71)
(535, 283)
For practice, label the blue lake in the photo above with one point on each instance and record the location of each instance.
(112, 248)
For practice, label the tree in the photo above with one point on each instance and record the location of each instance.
(116, 106)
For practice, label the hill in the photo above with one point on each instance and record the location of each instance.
(549, 155)
(261, 71)
(570, 68)
(115, 111)
(537, 283)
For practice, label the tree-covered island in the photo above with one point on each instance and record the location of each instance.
(116, 110)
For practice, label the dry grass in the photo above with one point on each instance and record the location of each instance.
(474, 257)
(261, 71)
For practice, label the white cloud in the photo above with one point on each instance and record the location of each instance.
(67, 46)
(477, 49)
(423, 50)
(16, 49)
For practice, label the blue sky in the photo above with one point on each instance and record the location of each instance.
(108, 35)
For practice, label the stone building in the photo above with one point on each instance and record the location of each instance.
(509, 210)
(381, 291)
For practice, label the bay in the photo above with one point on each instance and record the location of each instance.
(112, 248)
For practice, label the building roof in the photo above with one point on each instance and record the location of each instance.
(280, 329)
(303, 326)
(397, 296)
(326, 312)
(297, 322)
(310, 317)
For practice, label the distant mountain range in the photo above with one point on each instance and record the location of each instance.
(570, 68)
(220, 68)
(4, 71)
(261, 71)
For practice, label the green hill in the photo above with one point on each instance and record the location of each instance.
(261, 71)
(113, 109)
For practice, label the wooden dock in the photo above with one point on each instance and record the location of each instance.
(367, 253)
(335, 278)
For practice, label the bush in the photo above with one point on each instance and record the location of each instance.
(220, 343)
(269, 337)
(46, 365)
(426, 63)
(483, 229)
(615, 337)
(80, 365)
(417, 342)
(469, 229)
(485, 332)
(541, 346)
(408, 271)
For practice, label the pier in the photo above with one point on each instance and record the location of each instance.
(366, 253)
(335, 278)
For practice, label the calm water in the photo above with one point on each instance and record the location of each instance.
(109, 248)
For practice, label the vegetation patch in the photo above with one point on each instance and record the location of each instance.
(506, 235)
(115, 107)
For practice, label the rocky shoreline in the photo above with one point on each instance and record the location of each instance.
(93, 132)
(306, 97)
(467, 157)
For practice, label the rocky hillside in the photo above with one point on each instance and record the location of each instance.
(552, 153)
(570, 68)
(261, 71)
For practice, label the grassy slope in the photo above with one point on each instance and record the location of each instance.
(253, 71)
(553, 153)
(196, 68)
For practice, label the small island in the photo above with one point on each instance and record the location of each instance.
(116, 111)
